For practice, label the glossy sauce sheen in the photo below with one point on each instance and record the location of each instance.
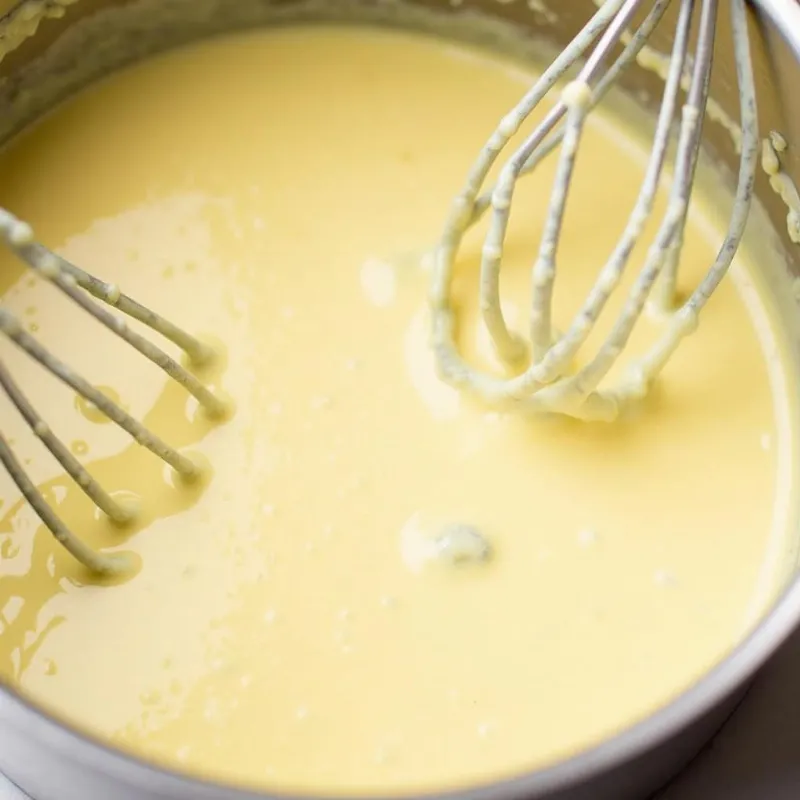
(279, 190)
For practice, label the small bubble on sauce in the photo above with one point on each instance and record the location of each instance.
(321, 402)
(587, 537)
(150, 698)
(212, 709)
(79, 447)
(378, 282)
(665, 578)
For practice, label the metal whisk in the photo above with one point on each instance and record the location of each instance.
(78, 286)
(543, 382)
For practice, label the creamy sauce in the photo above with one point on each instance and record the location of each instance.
(294, 624)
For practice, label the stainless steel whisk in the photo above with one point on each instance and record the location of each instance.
(543, 382)
(78, 286)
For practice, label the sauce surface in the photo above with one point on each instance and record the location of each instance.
(279, 190)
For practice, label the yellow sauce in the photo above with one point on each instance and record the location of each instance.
(279, 190)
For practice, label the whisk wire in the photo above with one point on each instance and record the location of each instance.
(689, 138)
(542, 385)
(71, 465)
(462, 211)
(509, 347)
(632, 49)
(684, 322)
(668, 281)
(198, 352)
(77, 285)
(11, 327)
(565, 348)
(577, 97)
(48, 265)
(530, 153)
(101, 563)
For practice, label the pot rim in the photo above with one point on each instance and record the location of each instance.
(785, 18)
(709, 690)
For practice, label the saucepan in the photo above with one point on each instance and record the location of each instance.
(50, 760)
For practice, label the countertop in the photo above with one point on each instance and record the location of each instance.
(755, 757)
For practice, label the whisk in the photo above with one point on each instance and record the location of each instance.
(542, 382)
(80, 287)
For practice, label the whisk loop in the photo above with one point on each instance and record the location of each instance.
(545, 385)
(80, 287)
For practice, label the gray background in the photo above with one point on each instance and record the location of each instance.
(757, 754)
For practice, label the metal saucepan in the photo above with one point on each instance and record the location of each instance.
(51, 761)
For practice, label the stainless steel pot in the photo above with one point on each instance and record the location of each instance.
(48, 759)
